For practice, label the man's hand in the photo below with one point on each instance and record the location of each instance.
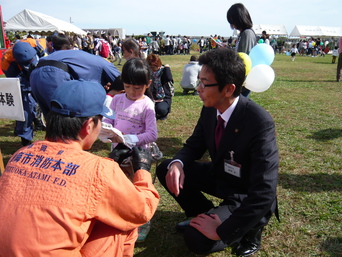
(120, 153)
(207, 225)
(141, 159)
(175, 178)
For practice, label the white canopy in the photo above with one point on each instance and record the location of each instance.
(270, 29)
(279, 30)
(315, 31)
(35, 22)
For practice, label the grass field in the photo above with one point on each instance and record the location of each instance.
(305, 102)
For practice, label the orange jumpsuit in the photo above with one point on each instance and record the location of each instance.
(58, 200)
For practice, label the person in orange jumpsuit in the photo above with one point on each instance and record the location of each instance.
(58, 199)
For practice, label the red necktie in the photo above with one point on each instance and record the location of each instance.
(219, 130)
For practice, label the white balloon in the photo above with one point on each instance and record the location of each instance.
(260, 78)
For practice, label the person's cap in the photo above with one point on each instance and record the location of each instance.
(80, 98)
(24, 53)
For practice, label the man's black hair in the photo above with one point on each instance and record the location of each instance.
(227, 67)
(63, 128)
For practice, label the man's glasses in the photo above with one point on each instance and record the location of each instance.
(200, 83)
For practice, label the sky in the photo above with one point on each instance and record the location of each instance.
(184, 17)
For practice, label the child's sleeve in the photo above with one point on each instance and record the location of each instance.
(150, 134)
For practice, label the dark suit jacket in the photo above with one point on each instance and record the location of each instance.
(250, 133)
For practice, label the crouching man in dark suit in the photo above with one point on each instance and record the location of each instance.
(240, 138)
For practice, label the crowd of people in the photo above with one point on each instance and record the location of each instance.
(170, 45)
(312, 47)
(161, 45)
(158, 44)
(57, 199)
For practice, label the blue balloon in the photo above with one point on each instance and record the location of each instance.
(195, 40)
(261, 54)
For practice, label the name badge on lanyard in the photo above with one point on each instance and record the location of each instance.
(231, 167)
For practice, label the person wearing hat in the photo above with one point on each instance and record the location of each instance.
(25, 60)
(65, 64)
(58, 199)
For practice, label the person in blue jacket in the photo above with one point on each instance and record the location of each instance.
(65, 64)
(25, 59)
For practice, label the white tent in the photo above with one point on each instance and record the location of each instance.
(279, 30)
(315, 31)
(38, 23)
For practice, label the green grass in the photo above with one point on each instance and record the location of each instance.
(305, 102)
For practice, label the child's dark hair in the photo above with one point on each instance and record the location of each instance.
(136, 72)
(116, 85)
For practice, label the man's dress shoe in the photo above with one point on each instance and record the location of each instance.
(249, 244)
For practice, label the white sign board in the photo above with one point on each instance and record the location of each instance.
(11, 105)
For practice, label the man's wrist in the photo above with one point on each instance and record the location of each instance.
(173, 161)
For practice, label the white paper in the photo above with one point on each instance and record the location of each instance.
(11, 104)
